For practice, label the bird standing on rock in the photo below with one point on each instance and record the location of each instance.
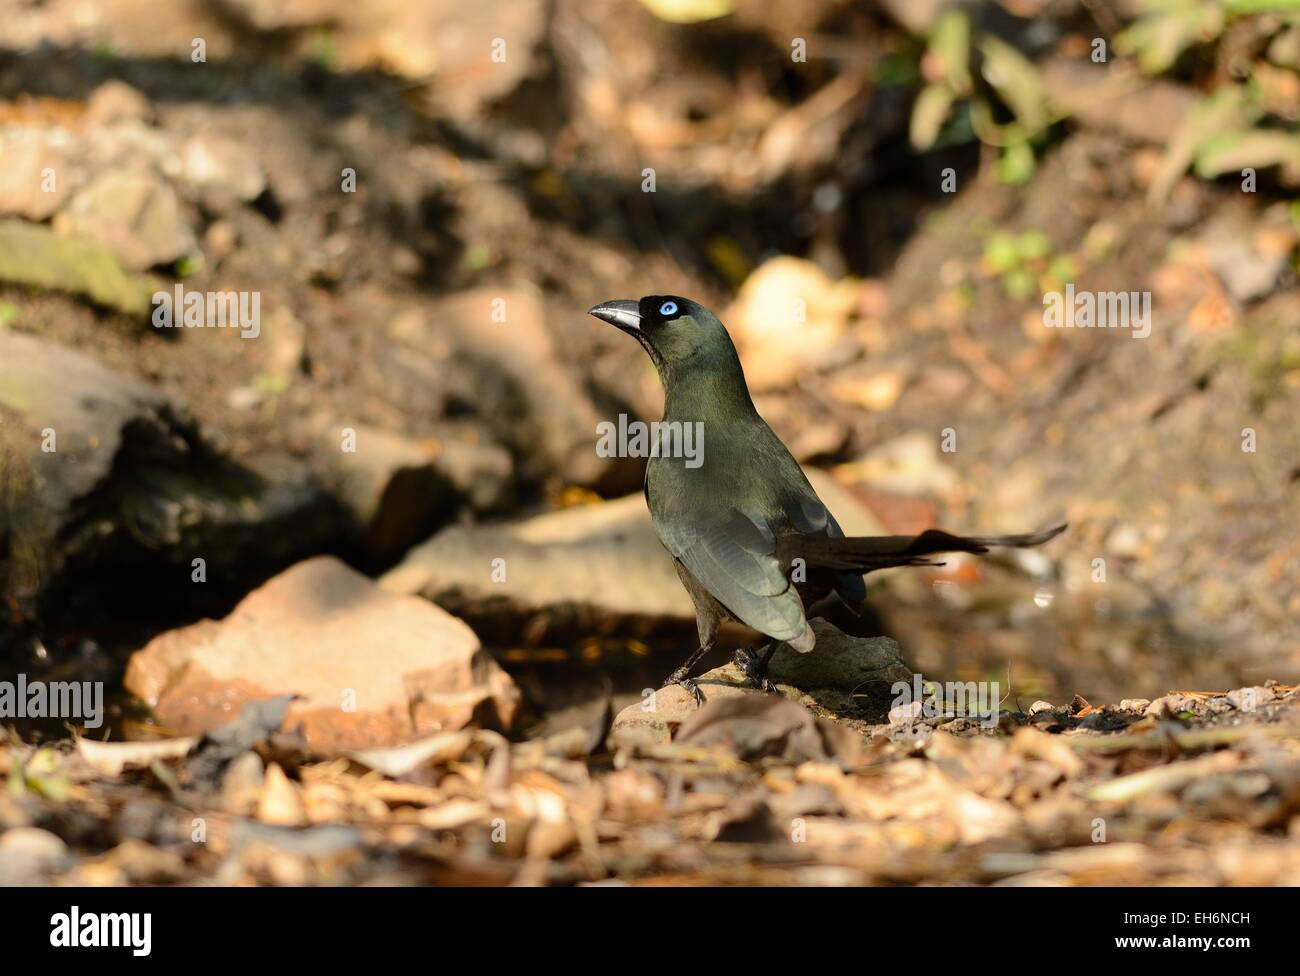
(749, 537)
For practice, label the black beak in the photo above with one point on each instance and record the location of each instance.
(623, 314)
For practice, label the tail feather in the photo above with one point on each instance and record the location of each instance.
(863, 554)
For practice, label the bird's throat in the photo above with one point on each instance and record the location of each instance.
(698, 392)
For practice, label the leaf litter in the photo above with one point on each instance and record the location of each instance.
(751, 790)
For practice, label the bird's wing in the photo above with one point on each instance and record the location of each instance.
(734, 557)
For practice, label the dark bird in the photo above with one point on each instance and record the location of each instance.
(750, 538)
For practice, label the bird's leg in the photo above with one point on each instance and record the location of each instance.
(681, 675)
(753, 664)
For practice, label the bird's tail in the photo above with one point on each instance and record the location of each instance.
(863, 554)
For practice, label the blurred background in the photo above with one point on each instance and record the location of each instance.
(426, 197)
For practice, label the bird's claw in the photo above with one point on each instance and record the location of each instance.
(679, 678)
(752, 667)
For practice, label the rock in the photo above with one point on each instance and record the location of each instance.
(1249, 699)
(371, 668)
(652, 720)
(135, 214)
(786, 318)
(480, 472)
(36, 179)
(217, 172)
(840, 673)
(499, 338)
(1134, 704)
(37, 257)
(843, 670)
(116, 101)
(450, 39)
(1249, 251)
(590, 567)
(105, 479)
(29, 855)
(1170, 704)
(77, 411)
(905, 715)
(397, 488)
(219, 241)
(587, 567)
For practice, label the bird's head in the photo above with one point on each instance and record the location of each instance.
(679, 334)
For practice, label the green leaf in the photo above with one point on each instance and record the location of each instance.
(896, 70)
(1257, 149)
(928, 114)
(1033, 245)
(190, 264)
(1063, 269)
(270, 385)
(477, 257)
(1232, 108)
(1001, 253)
(1016, 164)
(1159, 38)
(1017, 83)
(1238, 8)
(1020, 283)
(950, 46)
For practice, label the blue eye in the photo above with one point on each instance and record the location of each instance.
(668, 308)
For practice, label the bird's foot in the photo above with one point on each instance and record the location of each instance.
(754, 667)
(679, 677)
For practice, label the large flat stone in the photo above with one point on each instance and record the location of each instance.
(590, 567)
(372, 668)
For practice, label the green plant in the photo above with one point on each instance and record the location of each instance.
(1024, 263)
(1223, 134)
(984, 75)
(1167, 28)
(1230, 130)
(39, 775)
